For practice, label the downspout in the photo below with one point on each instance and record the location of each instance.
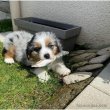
(15, 12)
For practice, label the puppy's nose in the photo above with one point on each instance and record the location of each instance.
(47, 56)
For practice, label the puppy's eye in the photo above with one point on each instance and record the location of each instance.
(37, 49)
(50, 45)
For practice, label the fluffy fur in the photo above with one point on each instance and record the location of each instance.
(28, 49)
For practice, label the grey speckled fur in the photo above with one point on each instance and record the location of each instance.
(19, 39)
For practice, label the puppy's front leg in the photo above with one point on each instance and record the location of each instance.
(42, 74)
(60, 68)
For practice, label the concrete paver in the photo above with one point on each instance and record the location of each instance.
(96, 95)
(90, 98)
(102, 81)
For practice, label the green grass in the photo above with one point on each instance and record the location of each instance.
(5, 25)
(19, 91)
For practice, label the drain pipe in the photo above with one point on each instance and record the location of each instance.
(15, 12)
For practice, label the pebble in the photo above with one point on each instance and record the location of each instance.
(79, 64)
(100, 59)
(82, 57)
(104, 51)
(90, 67)
(78, 52)
(76, 77)
(91, 51)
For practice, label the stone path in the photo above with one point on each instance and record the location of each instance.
(96, 95)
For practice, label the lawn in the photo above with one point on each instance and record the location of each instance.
(19, 89)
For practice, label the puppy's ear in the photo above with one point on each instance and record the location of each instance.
(29, 50)
(58, 48)
(30, 47)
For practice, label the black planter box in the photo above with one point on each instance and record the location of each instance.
(65, 32)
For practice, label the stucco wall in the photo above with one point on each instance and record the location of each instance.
(93, 17)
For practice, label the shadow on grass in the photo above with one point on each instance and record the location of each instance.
(30, 74)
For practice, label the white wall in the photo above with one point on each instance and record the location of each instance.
(93, 17)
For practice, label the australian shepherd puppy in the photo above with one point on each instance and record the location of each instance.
(28, 49)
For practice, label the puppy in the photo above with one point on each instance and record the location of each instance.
(28, 49)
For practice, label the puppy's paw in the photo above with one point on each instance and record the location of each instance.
(65, 71)
(44, 80)
(9, 60)
(43, 77)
